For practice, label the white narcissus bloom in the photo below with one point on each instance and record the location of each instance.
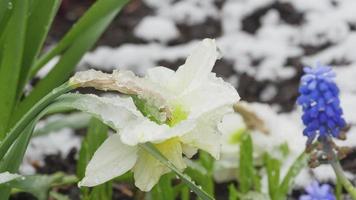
(178, 111)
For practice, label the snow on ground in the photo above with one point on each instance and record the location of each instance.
(310, 31)
(57, 142)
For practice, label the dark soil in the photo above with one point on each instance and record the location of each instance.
(288, 14)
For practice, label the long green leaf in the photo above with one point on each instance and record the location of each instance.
(11, 162)
(10, 64)
(233, 193)
(39, 185)
(73, 121)
(39, 22)
(28, 117)
(14, 155)
(73, 53)
(293, 171)
(273, 173)
(163, 190)
(5, 10)
(99, 11)
(202, 171)
(247, 174)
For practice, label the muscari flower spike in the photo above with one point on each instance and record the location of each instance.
(318, 192)
(319, 98)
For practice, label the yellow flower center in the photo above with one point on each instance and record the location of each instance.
(178, 115)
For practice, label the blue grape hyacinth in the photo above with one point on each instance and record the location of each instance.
(319, 98)
(318, 192)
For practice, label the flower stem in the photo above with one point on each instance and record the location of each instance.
(342, 178)
(15, 132)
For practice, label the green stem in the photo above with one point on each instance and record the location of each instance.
(14, 133)
(342, 178)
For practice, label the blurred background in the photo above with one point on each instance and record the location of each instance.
(264, 44)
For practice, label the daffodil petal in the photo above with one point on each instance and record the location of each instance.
(114, 111)
(148, 169)
(160, 75)
(189, 151)
(206, 136)
(112, 159)
(196, 68)
(151, 91)
(214, 93)
(144, 130)
(7, 177)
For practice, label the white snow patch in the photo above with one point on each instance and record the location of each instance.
(156, 29)
(61, 142)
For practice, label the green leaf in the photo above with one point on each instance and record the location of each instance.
(72, 47)
(273, 174)
(233, 193)
(100, 11)
(12, 160)
(30, 116)
(185, 194)
(103, 191)
(293, 171)
(252, 195)
(338, 189)
(73, 121)
(10, 63)
(39, 185)
(5, 10)
(164, 189)
(150, 148)
(202, 171)
(39, 22)
(247, 175)
(57, 196)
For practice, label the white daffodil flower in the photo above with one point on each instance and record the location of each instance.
(178, 111)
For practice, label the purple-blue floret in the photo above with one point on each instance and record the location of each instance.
(319, 98)
(318, 192)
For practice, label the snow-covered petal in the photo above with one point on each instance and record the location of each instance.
(115, 111)
(7, 177)
(148, 169)
(196, 68)
(214, 93)
(144, 130)
(206, 136)
(160, 75)
(112, 159)
(152, 92)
